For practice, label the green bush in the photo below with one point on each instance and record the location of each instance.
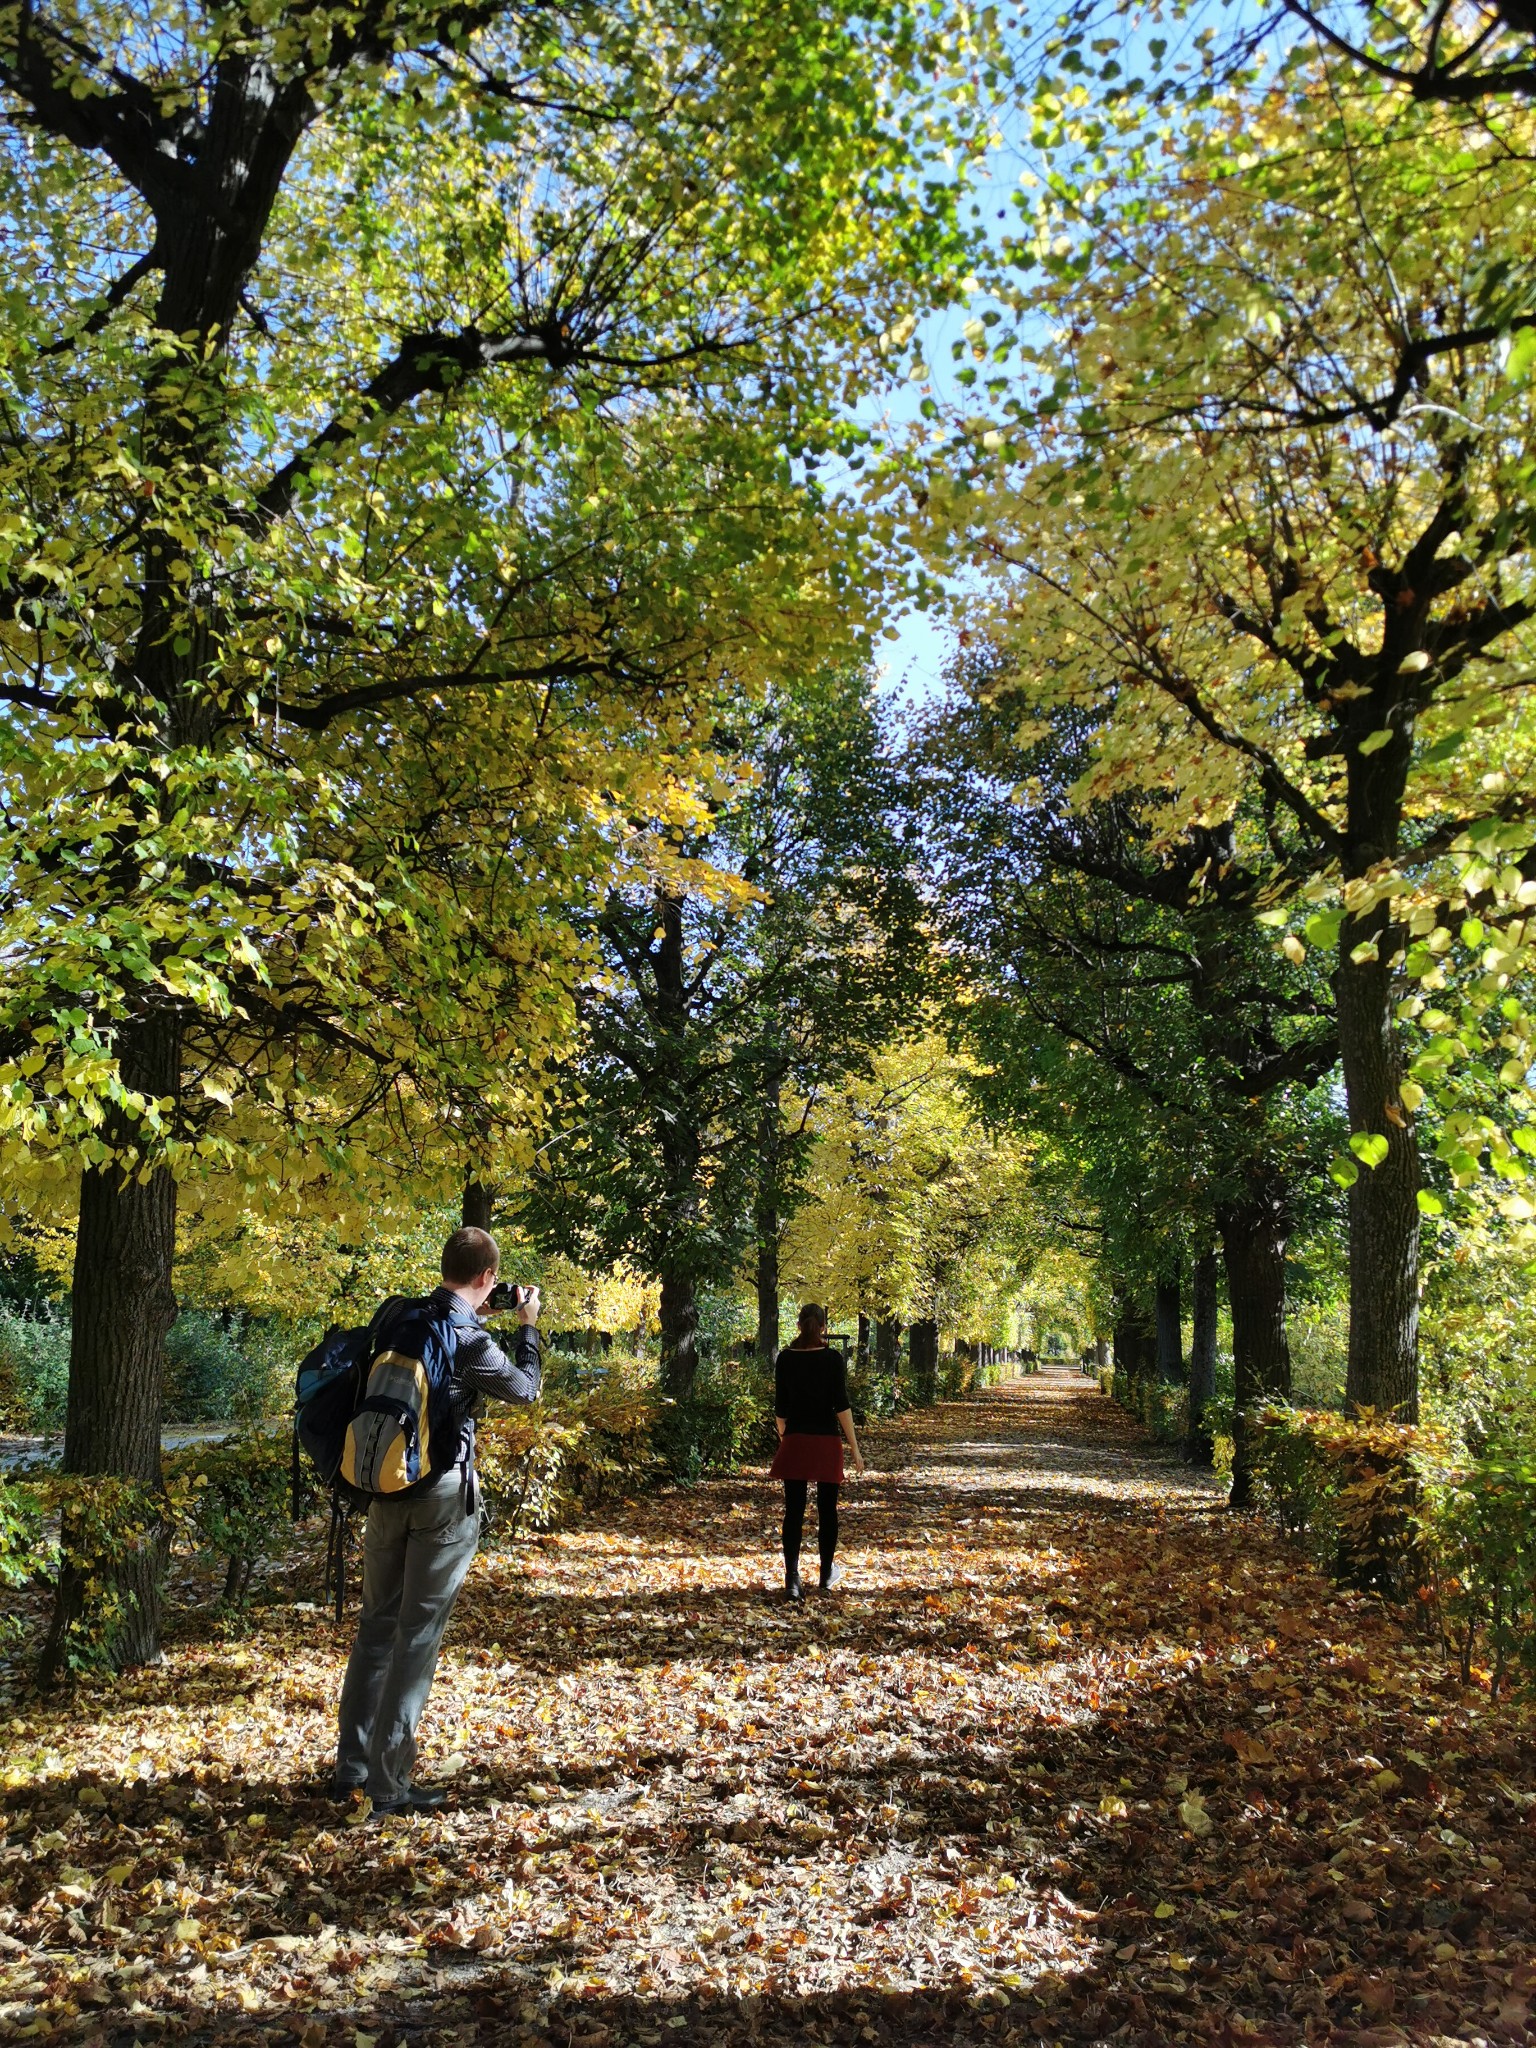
(1161, 1409)
(240, 1500)
(219, 1368)
(1348, 1486)
(103, 1522)
(728, 1417)
(540, 1465)
(25, 1552)
(1411, 1513)
(1478, 1529)
(871, 1392)
(223, 1367)
(34, 1366)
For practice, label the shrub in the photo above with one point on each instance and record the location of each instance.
(34, 1366)
(1161, 1408)
(1479, 1524)
(218, 1367)
(104, 1521)
(1350, 1485)
(726, 1418)
(226, 1366)
(1409, 1513)
(240, 1500)
(538, 1465)
(25, 1553)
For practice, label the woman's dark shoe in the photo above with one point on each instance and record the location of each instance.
(793, 1590)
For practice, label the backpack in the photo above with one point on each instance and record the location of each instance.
(373, 1408)
(406, 1428)
(330, 1384)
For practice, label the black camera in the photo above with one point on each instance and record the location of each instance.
(504, 1295)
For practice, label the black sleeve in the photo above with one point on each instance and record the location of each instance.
(481, 1366)
(780, 1401)
(837, 1383)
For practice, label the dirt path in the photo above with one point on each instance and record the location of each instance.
(1076, 1757)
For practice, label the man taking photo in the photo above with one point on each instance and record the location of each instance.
(421, 1535)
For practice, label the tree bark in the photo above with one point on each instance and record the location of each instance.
(1134, 1343)
(679, 1335)
(766, 1223)
(861, 1349)
(768, 1297)
(1254, 1231)
(923, 1346)
(1199, 1444)
(122, 1304)
(475, 1211)
(1383, 1370)
(1168, 1317)
(887, 1366)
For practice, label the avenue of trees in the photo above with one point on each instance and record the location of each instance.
(445, 546)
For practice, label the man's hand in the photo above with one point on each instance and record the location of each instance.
(528, 1308)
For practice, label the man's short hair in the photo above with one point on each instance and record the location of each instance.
(468, 1254)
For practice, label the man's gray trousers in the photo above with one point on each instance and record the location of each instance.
(416, 1551)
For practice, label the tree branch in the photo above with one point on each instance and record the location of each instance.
(439, 362)
(119, 289)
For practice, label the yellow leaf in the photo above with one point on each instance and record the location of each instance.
(1194, 1816)
(1162, 1912)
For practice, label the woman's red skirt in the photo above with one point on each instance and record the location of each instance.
(808, 1457)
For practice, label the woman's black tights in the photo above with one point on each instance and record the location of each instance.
(795, 1491)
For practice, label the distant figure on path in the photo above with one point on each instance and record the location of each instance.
(810, 1405)
(420, 1539)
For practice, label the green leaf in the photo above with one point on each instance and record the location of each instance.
(1375, 741)
(1442, 750)
(1323, 928)
(1521, 359)
(1343, 1169)
(1369, 1147)
(1429, 1204)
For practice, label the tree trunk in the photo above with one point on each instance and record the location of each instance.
(1168, 1314)
(887, 1366)
(679, 1335)
(475, 1212)
(1199, 1445)
(1134, 1343)
(923, 1346)
(1383, 1203)
(1253, 1239)
(861, 1349)
(122, 1304)
(766, 1223)
(768, 1297)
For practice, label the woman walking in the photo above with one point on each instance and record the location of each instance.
(810, 1386)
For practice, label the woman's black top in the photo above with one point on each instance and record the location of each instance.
(810, 1390)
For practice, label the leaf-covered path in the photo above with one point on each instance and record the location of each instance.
(1076, 1757)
